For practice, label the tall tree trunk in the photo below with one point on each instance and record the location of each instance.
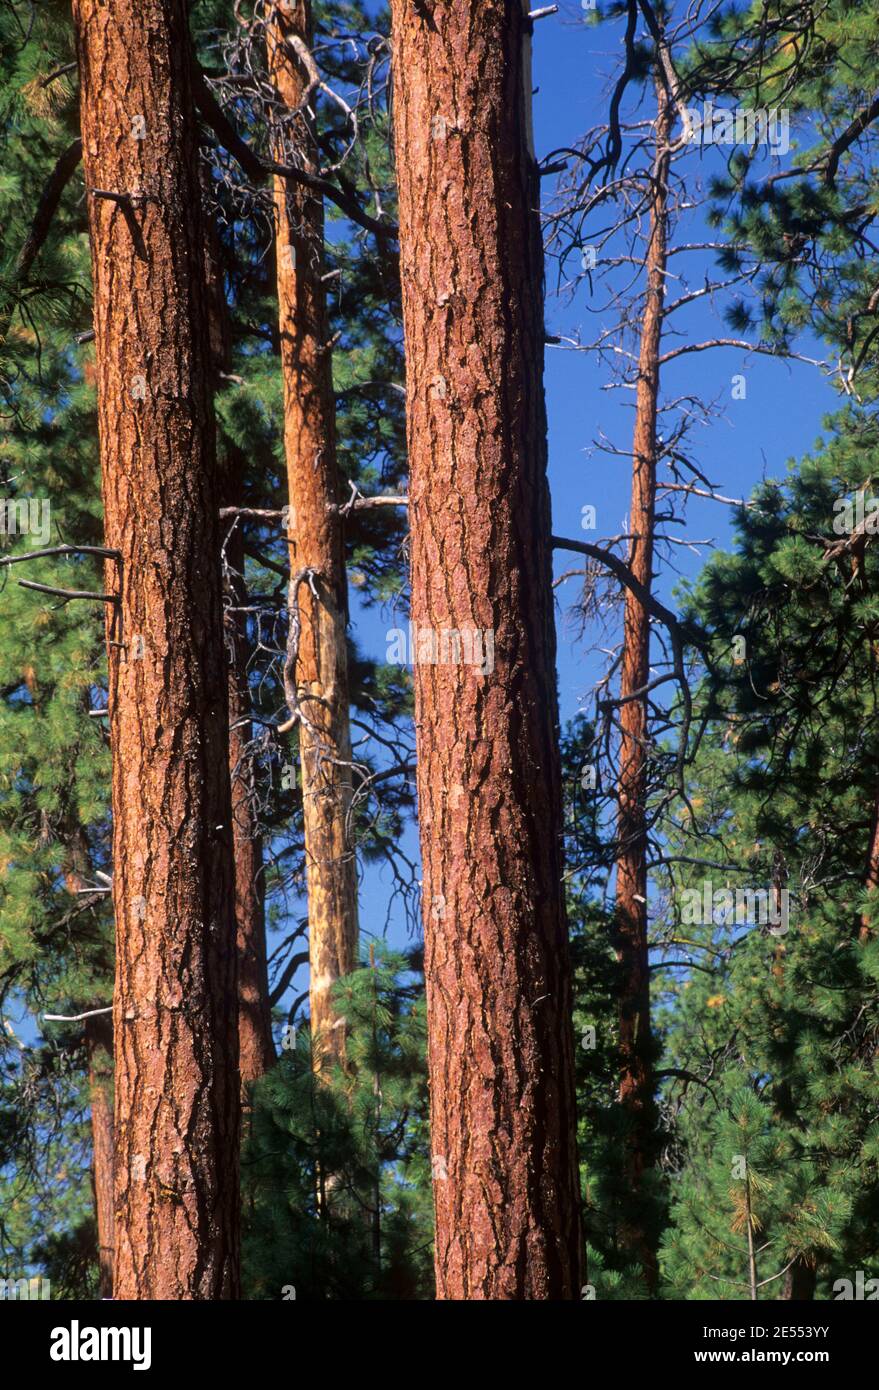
(489, 780)
(257, 1049)
(315, 542)
(176, 1044)
(255, 1045)
(99, 1051)
(636, 1074)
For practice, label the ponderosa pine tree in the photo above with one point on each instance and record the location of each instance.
(815, 656)
(318, 605)
(366, 372)
(255, 1045)
(622, 188)
(637, 1085)
(500, 1045)
(176, 1044)
(56, 951)
(256, 1052)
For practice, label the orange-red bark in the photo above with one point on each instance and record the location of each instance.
(497, 969)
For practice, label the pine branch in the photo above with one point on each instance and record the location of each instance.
(76, 1018)
(68, 593)
(62, 550)
(620, 570)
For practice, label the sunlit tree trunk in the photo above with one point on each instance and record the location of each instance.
(174, 1022)
(315, 540)
(489, 781)
(637, 1084)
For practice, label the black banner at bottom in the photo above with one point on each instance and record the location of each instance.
(186, 1340)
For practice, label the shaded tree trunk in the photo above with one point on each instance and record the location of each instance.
(99, 1060)
(315, 542)
(256, 1047)
(871, 874)
(489, 778)
(800, 1281)
(255, 1044)
(637, 1084)
(99, 1051)
(176, 1044)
